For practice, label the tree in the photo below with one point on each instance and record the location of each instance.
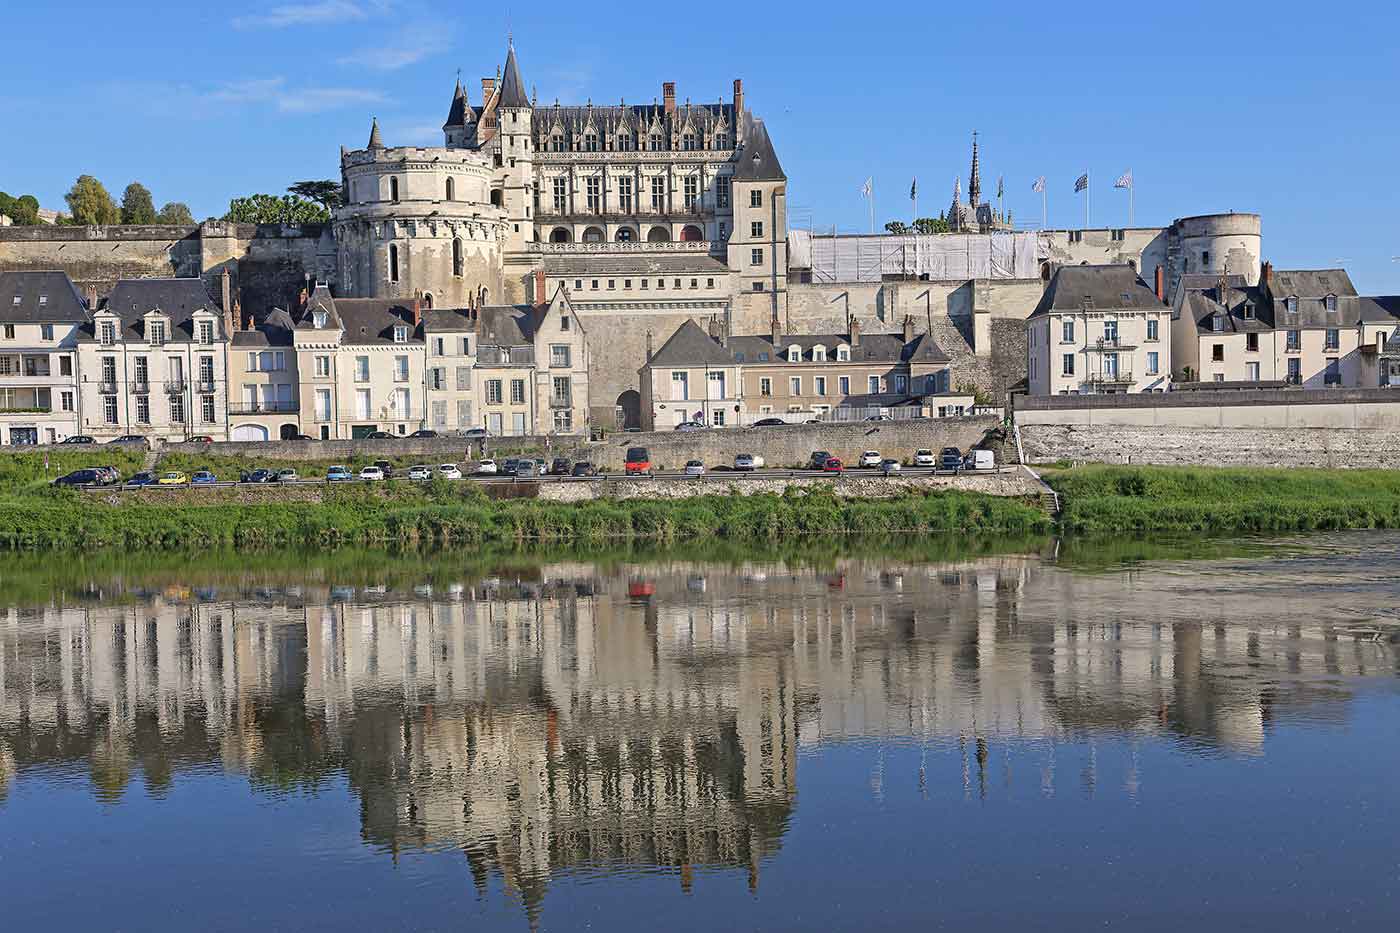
(176, 213)
(90, 203)
(270, 209)
(897, 227)
(23, 210)
(325, 193)
(137, 206)
(928, 225)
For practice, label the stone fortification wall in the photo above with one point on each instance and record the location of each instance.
(1012, 483)
(1344, 428)
(96, 257)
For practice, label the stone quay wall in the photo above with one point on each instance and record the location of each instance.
(1335, 429)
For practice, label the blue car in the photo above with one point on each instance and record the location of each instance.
(339, 474)
(144, 478)
(203, 478)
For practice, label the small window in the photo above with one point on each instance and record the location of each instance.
(758, 286)
(755, 198)
(1330, 302)
(1248, 311)
(1205, 258)
(756, 257)
(756, 229)
(1291, 304)
(400, 334)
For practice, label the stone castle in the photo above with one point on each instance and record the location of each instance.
(648, 216)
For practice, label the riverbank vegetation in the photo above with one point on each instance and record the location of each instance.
(1135, 500)
(443, 513)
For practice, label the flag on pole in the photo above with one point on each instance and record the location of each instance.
(1125, 180)
(1039, 185)
(869, 187)
(1001, 185)
(1081, 183)
(914, 189)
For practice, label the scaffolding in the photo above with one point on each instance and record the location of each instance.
(945, 256)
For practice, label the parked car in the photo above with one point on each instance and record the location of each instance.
(748, 462)
(286, 476)
(203, 478)
(371, 473)
(691, 426)
(524, 469)
(202, 439)
(950, 458)
(486, 467)
(818, 459)
(135, 439)
(173, 478)
(561, 466)
(81, 478)
(144, 478)
(583, 468)
(420, 473)
(78, 439)
(476, 433)
(339, 474)
(638, 461)
(424, 433)
(379, 436)
(832, 465)
(449, 471)
(870, 459)
(258, 476)
(923, 457)
(509, 464)
(890, 465)
(769, 423)
(694, 468)
(979, 460)
(385, 467)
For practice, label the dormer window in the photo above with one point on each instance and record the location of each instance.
(1330, 302)
(819, 354)
(400, 333)
(721, 141)
(206, 332)
(843, 354)
(794, 354)
(688, 142)
(1291, 304)
(156, 333)
(318, 319)
(590, 142)
(1217, 323)
(43, 300)
(1248, 312)
(654, 142)
(107, 333)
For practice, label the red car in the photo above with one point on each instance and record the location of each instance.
(638, 461)
(832, 465)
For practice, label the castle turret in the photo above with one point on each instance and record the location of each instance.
(516, 156)
(460, 117)
(974, 181)
(375, 140)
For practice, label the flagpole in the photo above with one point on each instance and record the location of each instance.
(872, 206)
(1132, 182)
(1044, 210)
(1086, 200)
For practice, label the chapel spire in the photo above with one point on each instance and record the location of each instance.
(375, 141)
(974, 182)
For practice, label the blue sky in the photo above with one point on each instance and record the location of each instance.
(1284, 109)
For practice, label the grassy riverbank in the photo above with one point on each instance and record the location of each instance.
(1134, 500)
(460, 514)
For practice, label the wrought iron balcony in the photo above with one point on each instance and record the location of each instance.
(175, 387)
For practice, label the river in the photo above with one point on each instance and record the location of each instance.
(1040, 735)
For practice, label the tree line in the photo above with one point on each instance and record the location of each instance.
(90, 203)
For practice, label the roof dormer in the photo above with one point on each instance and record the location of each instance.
(794, 353)
(1330, 302)
(1290, 304)
(156, 324)
(818, 353)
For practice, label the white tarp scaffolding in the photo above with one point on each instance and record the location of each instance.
(955, 256)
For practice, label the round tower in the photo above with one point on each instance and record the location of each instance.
(1215, 244)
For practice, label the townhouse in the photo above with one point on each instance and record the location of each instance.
(1098, 330)
(41, 315)
(532, 369)
(719, 380)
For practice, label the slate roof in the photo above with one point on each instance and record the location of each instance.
(1100, 288)
(1205, 304)
(506, 326)
(457, 114)
(690, 345)
(132, 299)
(371, 321)
(1311, 287)
(62, 304)
(756, 160)
(274, 331)
(512, 85)
(439, 320)
(584, 264)
(1381, 309)
(638, 119)
(320, 299)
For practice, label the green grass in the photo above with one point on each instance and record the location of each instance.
(25, 471)
(1134, 500)
(442, 513)
(228, 466)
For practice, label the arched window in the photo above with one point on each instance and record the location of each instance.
(496, 198)
(658, 235)
(457, 256)
(794, 354)
(692, 234)
(843, 354)
(393, 262)
(590, 142)
(654, 142)
(818, 354)
(393, 189)
(428, 300)
(451, 190)
(560, 235)
(593, 235)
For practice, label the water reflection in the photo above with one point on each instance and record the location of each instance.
(655, 714)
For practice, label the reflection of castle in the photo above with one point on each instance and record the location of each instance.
(650, 716)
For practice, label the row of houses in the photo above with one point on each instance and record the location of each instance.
(1101, 329)
(163, 359)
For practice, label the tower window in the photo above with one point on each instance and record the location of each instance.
(393, 262)
(457, 256)
(755, 198)
(393, 189)
(451, 190)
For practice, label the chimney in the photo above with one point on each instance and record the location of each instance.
(415, 309)
(777, 332)
(488, 87)
(1159, 284)
(908, 328)
(855, 331)
(226, 293)
(1266, 275)
(92, 297)
(738, 99)
(650, 350)
(668, 96)
(540, 296)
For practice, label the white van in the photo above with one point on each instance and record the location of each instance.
(979, 460)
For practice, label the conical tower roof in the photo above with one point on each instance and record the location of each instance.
(375, 141)
(974, 182)
(512, 85)
(457, 113)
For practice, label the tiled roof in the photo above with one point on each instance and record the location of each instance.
(40, 298)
